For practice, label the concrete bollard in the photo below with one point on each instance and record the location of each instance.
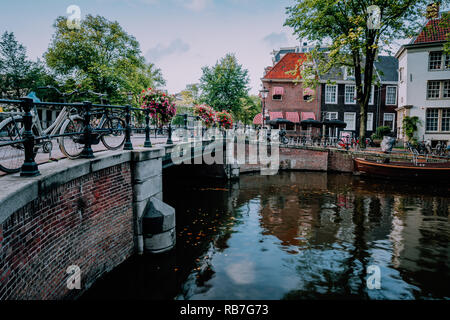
(158, 226)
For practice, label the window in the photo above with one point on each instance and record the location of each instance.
(435, 60)
(369, 125)
(331, 116)
(445, 120)
(446, 90)
(432, 120)
(331, 94)
(400, 74)
(391, 95)
(350, 94)
(349, 73)
(350, 120)
(372, 96)
(277, 97)
(447, 61)
(434, 87)
(389, 120)
(438, 120)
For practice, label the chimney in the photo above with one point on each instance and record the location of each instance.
(433, 10)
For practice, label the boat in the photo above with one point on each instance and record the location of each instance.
(418, 170)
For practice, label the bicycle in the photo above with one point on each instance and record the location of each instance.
(67, 124)
(347, 143)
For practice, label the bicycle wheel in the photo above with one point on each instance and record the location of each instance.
(11, 156)
(70, 145)
(115, 137)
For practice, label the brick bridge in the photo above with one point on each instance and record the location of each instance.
(89, 212)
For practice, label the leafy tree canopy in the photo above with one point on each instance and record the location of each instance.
(102, 57)
(18, 75)
(224, 85)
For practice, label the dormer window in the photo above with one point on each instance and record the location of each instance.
(349, 73)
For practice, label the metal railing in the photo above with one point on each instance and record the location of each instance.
(87, 137)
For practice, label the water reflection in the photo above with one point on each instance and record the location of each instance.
(296, 235)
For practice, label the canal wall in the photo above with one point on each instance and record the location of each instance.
(83, 213)
(308, 159)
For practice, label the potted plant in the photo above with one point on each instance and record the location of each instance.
(206, 114)
(410, 126)
(377, 137)
(224, 120)
(161, 106)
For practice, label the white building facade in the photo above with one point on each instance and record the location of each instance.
(424, 84)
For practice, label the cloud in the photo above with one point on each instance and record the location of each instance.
(177, 46)
(276, 39)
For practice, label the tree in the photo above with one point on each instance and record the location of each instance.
(251, 106)
(102, 57)
(224, 85)
(355, 42)
(18, 75)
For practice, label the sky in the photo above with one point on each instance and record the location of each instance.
(179, 36)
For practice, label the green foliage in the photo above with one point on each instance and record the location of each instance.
(251, 106)
(18, 75)
(410, 127)
(100, 57)
(224, 85)
(353, 43)
(381, 132)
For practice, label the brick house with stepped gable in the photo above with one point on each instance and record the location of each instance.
(287, 98)
(424, 82)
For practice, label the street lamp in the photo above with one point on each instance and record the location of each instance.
(264, 93)
(130, 96)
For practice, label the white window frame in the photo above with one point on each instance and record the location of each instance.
(442, 66)
(372, 96)
(393, 119)
(347, 74)
(369, 125)
(353, 127)
(400, 74)
(335, 101)
(354, 94)
(328, 115)
(396, 96)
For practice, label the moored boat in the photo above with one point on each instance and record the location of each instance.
(431, 171)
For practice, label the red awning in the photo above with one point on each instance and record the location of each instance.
(308, 115)
(258, 119)
(276, 115)
(278, 91)
(293, 116)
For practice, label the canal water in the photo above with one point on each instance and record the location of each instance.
(296, 235)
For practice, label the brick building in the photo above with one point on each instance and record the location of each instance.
(287, 98)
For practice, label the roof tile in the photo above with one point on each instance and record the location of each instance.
(291, 61)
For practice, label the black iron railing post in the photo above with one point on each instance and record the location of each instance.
(29, 167)
(148, 142)
(185, 121)
(128, 145)
(169, 138)
(87, 151)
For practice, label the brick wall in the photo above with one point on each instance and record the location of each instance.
(292, 99)
(303, 159)
(86, 222)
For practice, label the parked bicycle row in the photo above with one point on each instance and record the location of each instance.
(77, 127)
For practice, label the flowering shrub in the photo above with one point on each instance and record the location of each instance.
(224, 119)
(206, 113)
(162, 106)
